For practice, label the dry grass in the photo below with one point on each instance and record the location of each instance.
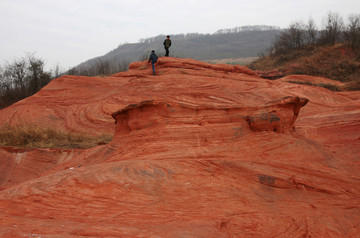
(334, 62)
(337, 62)
(234, 61)
(38, 137)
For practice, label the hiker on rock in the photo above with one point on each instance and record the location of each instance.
(167, 44)
(153, 58)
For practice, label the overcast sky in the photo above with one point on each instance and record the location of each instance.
(69, 32)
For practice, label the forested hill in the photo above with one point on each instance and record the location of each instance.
(245, 41)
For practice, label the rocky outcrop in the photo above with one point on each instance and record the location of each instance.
(199, 150)
(275, 116)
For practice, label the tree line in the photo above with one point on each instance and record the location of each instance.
(334, 30)
(240, 29)
(24, 77)
(101, 67)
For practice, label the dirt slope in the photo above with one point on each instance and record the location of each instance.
(199, 150)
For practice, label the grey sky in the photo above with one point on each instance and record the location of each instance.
(68, 32)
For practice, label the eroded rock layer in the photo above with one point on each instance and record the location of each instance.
(199, 150)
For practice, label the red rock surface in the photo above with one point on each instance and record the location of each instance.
(311, 80)
(199, 150)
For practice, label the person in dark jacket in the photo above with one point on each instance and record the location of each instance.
(167, 44)
(153, 58)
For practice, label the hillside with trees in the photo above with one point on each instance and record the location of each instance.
(239, 42)
(332, 51)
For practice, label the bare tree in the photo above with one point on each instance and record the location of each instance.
(103, 67)
(311, 32)
(333, 28)
(73, 71)
(297, 31)
(15, 76)
(352, 32)
(38, 77)
(22, 78)
(291, 38)
(3, 84)
(57, 71)
(123, 65)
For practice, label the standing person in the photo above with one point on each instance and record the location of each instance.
(153, 58)
(167, 44)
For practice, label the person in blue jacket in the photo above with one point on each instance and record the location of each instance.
(153, 58)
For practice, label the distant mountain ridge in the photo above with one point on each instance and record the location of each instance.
(238, 42)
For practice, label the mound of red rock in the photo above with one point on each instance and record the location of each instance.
(199, 150)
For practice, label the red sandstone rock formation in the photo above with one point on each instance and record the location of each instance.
(199, 150)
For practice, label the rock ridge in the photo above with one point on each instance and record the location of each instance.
(179, 63)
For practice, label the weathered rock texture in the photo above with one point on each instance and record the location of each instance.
(199, 150)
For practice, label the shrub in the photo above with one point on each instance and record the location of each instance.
(352, 33)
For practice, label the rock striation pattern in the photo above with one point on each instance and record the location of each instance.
(199, 150)
(275, 116)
